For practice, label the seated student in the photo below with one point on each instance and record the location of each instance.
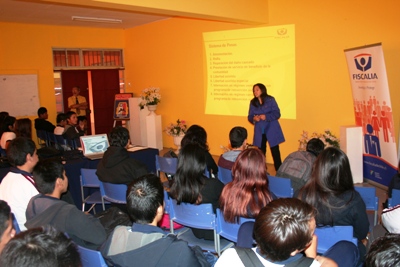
(237, 140)
(7, 230)
(61, 122)
(7, 131)
(45, 247)
(71, 132)
(196, 134)
(116, 166)
(46, 208)
(82, 124)
(283, 229)
(298, 165)
(384, 252)
(190, 185)
(41, 123)
(23, 128)
(144, 242)
(18, 186)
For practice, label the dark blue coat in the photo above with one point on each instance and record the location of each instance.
(270, 126)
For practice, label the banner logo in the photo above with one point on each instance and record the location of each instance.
(362, 63)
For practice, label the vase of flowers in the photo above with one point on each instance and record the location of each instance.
(150, 98)
(177, 131)
(327, 137)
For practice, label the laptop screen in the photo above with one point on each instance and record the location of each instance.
(93, 144)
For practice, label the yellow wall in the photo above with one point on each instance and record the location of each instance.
(26, 49)
(169, 54)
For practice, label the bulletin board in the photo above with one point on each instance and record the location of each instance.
(19, 94)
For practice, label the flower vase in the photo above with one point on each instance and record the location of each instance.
(177, 142)
(152, 109)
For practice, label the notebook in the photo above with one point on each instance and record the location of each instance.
(94, 146)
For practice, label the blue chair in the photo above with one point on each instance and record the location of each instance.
(166, 165)
(281, 187)
(330, 235)
(201, 217)
(245, 235)
(15, 224)
(395, 199)
(115, 193)
(60, 141)
(368, 194)
(90, 180)
(41, 137)
(91, 258)
(224, 175)
(51, 139)
(229, 230)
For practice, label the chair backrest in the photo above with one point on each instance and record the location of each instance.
(245, 235)
(166, 165)
(395, 199)
(330, 235)
(91, 258)
(60, 140)
(281, 187)
(15, 224)
(368, 194)
(42, 136)
(166, 202)
(224, 175)
(115, 193)
(229, 230)
(89, 178)
(51, 138)
(196, 216)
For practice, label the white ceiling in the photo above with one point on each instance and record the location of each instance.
(56, 14)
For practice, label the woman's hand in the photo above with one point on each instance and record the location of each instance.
(256, 118)
(262, 117)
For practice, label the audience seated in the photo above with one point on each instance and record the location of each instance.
(61, 122)
(82, 124)
(41, 123)
(237, 141)
(7, 230)
(248, 192)
(196, 134)
(46, 208)
(144, 242)
(7, 131)
(44, 247)
(394, 183)
(283, 229)
(23, 128)
(384, 252)
(117, 166)
(331, 191)
(71, 132)
(191, 186)
(18, 186)
(298, 165)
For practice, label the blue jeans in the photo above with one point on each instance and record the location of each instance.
(344, 253)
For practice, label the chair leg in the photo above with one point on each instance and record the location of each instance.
(102, 203)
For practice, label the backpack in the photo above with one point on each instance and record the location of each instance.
(250, 259)
(297, 165)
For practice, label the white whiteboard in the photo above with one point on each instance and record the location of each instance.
(19, 94)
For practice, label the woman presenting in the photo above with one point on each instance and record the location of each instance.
(264, 114)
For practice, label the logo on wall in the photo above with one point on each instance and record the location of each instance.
(363, 62)
(281, 31)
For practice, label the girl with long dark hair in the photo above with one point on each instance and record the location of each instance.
(191, 186)
(331, 191)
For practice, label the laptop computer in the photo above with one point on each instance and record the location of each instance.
(94, 146)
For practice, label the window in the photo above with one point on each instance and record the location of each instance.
(87, 58)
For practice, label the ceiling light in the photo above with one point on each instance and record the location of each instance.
(99, 20)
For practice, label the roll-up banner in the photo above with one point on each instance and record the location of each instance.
(373, 111)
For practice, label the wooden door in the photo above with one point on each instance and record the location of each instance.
(105, 84)
(70, 79)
